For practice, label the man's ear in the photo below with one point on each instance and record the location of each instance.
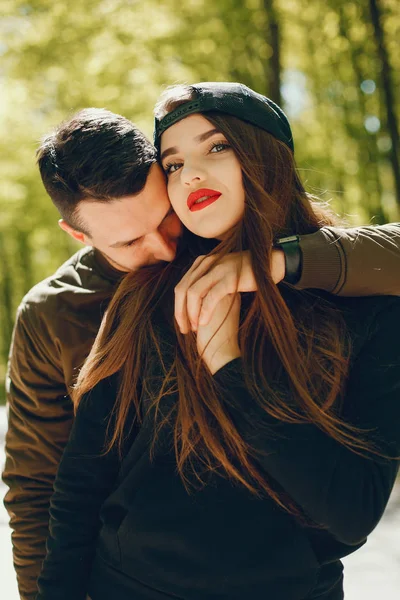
(77, 235)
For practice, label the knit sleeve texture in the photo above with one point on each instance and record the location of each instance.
(358, 261)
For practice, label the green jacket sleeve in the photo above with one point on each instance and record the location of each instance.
(360, 261)
(40, 418)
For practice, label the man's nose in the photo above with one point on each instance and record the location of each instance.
(162, 247)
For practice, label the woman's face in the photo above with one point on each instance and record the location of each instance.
(204, 177)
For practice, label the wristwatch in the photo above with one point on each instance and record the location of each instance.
(293, 258)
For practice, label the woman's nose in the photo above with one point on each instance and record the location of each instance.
(191, 175)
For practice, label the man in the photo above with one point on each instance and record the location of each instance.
(102, 175)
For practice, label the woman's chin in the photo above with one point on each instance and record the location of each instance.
(210, 235)
(209, 231)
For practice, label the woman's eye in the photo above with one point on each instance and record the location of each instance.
(172, 167)
(219, 147)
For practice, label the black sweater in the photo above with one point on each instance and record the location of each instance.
(130, 531)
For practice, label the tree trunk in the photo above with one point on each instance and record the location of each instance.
(7, 312)
(366, 142)
(273, 67)
(25, 254)
(387, 89)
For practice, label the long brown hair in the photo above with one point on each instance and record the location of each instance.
(297, 337)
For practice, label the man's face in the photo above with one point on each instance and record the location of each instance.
(136, 230)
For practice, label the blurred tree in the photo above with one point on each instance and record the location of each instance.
(273, 67)
(356, 113)
(387, 90)
(6, 300)
(331, 65)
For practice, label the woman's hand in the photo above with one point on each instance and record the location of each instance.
(217, 342)
(198, 293)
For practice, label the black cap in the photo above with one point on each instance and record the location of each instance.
(233, 99)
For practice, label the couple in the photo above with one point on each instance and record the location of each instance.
(241, 453)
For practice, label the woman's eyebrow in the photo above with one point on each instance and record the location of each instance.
(198, 139)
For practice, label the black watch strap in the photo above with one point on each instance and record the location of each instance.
(291, 249)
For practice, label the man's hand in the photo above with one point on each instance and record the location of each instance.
(198, 293)
(217, 342)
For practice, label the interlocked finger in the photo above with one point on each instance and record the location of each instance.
(196, 271)
(202, 287)
(224, 287)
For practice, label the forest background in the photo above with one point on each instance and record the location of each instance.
(333, 65)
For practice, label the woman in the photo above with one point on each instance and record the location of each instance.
(242, 459)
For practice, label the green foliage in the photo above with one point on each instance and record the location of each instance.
(59, 57)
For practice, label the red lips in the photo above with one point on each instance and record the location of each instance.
(207, 196)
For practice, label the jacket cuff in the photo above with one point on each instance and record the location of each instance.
(322, 262)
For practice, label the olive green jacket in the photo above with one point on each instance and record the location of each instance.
(56, 324)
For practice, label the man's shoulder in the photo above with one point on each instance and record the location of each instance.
(79, 281)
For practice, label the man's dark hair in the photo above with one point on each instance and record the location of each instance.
(96, 155)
